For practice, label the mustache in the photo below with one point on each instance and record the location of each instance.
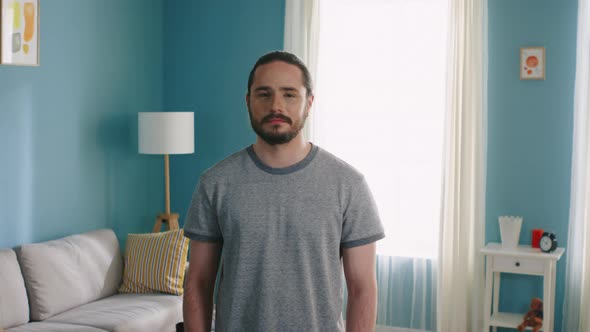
(271, 117)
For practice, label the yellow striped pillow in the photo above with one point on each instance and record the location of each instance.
(155, 263)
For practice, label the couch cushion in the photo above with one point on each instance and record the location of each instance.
(71, 271)
(128, 313)
(53, 327)
(14, 306)
(155, 263)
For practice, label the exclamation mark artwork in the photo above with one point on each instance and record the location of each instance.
(29, 25)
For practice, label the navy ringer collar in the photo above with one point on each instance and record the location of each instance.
(286, 170)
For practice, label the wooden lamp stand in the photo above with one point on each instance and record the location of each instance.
(167, 218)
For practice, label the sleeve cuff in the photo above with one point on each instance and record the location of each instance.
(202, 238)
(361, 242)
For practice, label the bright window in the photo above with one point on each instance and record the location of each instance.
(380, 106)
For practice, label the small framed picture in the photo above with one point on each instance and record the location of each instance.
(19, 32)
(532, 63)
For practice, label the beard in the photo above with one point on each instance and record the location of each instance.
(273, 136)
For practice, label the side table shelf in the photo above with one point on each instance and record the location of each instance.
(521, 260)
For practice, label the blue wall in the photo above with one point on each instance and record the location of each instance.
(68, 129)
(530, 132)
(210, 47)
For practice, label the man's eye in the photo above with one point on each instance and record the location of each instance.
(264, 95)
(289, 95)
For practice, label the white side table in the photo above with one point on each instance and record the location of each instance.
(522, 260)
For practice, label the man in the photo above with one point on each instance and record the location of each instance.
(289, 217)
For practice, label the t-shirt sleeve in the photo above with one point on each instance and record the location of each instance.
(201, 219)
(361, 224)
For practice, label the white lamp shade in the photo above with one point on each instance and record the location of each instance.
(166, 132)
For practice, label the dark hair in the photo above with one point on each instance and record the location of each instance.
(287, 57)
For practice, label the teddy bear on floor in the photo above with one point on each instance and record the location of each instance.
(534, 317)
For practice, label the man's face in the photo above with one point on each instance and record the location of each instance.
(278, 104)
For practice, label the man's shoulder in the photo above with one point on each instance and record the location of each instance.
(338, 166)
(227, 167)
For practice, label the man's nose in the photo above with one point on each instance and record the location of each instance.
(278, 104)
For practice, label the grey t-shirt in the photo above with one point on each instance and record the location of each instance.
(282, 232)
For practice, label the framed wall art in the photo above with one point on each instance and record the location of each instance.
(19, 32)
(532, 63)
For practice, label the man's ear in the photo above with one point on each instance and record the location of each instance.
(247, 99)
(308, 105)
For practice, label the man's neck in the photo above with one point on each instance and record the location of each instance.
(282, 155)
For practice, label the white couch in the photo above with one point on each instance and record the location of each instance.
(70, 284)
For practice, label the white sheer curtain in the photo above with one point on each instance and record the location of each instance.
(577, 286)
(460, 266)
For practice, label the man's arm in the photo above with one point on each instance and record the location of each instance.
(199, 286)
(359, 270)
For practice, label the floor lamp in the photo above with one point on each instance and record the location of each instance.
(166, 133)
